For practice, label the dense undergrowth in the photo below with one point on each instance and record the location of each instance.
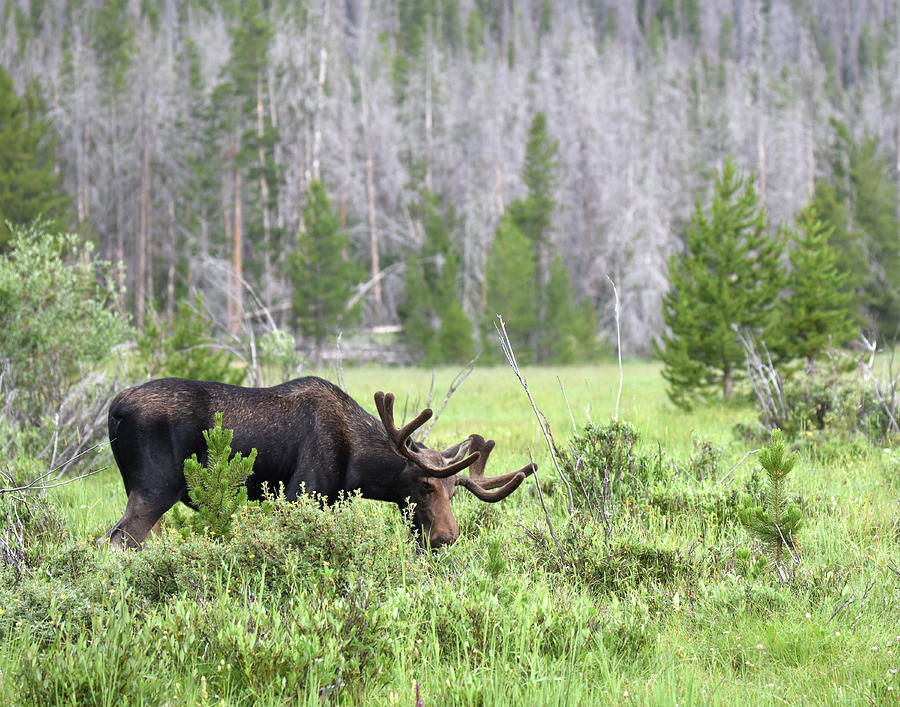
(649, 589)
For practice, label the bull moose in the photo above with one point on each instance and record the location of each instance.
(309, 435)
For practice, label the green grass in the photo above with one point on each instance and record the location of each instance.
(340, 608)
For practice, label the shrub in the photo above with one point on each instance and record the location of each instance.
(604, 459)
(186, 347)
(826, 404)
(58, 318)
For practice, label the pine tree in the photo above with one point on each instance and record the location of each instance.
(776, 522)
(322, 275)
(533, 217)
(853, 263)
(569, 329)
(30, 188)
(433, 318)
(862, 182)
(217, 489)
(729, 275)
(875, 206)
(818, 310)
(511, 288)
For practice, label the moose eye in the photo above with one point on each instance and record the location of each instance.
(424, 488)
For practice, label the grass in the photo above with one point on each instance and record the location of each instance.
(339, 608)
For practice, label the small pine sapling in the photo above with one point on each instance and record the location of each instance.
(775, 523)
(217, 489)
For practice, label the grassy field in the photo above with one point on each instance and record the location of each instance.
(339, 607)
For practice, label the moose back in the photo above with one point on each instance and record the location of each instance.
(309, 435)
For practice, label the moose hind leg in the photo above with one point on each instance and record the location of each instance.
(139, 519)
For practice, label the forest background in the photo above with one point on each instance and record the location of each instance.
(199, 143)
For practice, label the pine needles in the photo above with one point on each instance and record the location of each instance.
(217, 489)
(775, 522)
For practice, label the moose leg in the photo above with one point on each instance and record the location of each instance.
(135, 524)
(144, 510)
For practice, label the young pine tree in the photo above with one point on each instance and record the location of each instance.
(775, 523)
(728, 275)
(818, 310)
(533, 215)
(217, 489)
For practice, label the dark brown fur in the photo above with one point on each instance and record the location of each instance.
(308, 433)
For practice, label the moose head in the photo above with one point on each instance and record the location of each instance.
(436, 476)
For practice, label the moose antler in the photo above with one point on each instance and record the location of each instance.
(384, 402)
(478, 484)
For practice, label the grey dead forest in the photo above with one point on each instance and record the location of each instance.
(188, 131)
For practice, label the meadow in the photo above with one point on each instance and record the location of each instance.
(671, 603)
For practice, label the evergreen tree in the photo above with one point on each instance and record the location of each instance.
(875, 206)
(432, 316)
(817, 312)
(862, 182)
(322, 275)
(217, 489)
(569, 329)
(776, 522)
(511, 288)
(853, 263)
(29, 185)
(729, 275)
(533, 217)
(540, 174)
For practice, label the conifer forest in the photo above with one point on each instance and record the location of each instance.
(198, 142)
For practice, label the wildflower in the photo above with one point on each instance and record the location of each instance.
(760, 647)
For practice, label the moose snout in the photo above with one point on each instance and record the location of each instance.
(442, 538)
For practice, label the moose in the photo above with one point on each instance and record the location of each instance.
(310, 436)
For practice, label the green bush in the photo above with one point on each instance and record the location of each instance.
(608, 454)
(186, 347)
(58, 316)
(825, 406)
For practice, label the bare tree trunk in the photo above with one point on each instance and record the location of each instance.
(173, 256)
(320, 95)
(117, 200)
(429, 119)
(238, 263)
(370, 198)
(761, 155)
(226, 215)
(143, 228)
(264, 193)
(83, 188)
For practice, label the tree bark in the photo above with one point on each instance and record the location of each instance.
(370, 198)
(238, 262)
(143, 227)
